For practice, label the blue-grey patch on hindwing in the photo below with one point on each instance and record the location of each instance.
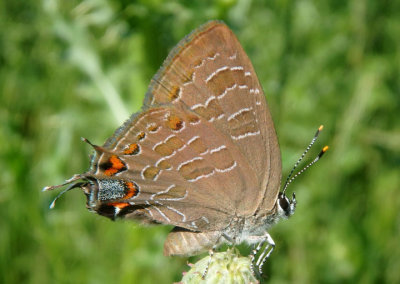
(116, 189)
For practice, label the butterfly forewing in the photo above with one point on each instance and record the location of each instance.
(209, 74)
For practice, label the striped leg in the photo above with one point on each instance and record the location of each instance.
(269, 247)
(211, 253)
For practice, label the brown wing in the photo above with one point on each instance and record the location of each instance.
(184, 170)
(209, 73)
(204, 149)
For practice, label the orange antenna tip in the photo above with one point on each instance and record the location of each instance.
(289, 179)
(322, 152)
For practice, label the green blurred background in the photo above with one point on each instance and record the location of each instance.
(79, 68)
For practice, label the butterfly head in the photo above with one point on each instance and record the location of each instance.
(286, 207)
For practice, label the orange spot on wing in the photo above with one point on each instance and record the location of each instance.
(141, 136)
(132, 190)
(113, 166)
(132, 149)
(119, 205)
(175, 122)
(117, 163)
(110, 171)
(153, 127)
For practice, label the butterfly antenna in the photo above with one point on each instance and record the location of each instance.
(302, 156)
(305, 168)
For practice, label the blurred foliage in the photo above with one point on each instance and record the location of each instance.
(78, 68)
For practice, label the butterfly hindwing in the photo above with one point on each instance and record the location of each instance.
(180, 166)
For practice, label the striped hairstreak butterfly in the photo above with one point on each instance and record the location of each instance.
(202, 155)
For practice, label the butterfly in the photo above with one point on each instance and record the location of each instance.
(202, 155)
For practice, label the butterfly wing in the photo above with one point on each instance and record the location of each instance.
(171, 166)
(209, 73)
(203, 150)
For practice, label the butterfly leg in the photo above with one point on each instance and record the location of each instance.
(266, 252)
(211, 253)
(253, 254)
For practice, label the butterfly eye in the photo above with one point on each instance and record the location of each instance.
(284, 204)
